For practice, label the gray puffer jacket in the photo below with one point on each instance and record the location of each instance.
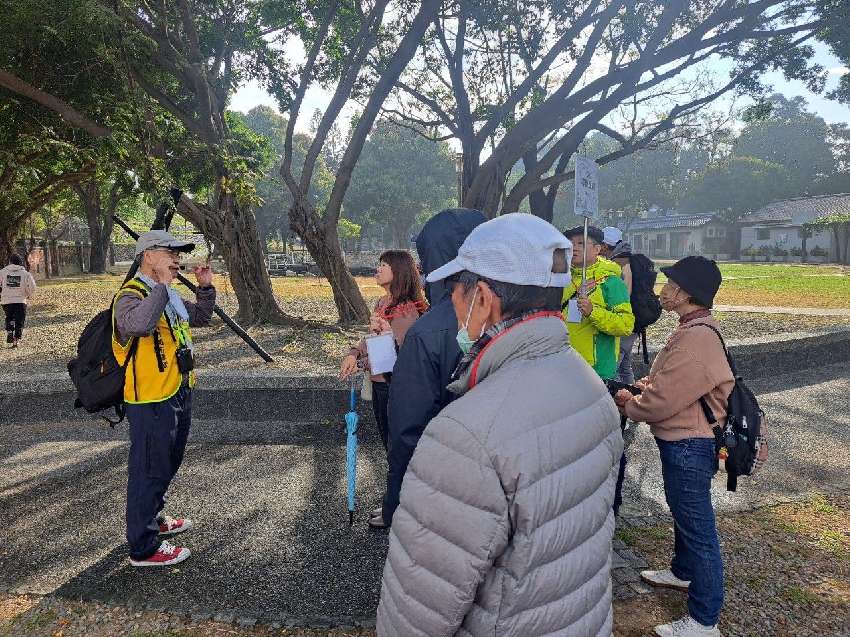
(505, 522)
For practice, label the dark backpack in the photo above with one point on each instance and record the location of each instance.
(645, 304)
(97, 376)
(742, 436)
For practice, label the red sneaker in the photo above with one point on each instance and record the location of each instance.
(172, 526)
(166, 555)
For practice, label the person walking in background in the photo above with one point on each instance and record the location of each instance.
(601, 314)
(691, 366)
(505, 524)
(17, 287)
(429, 354)
(395, 312)
(152, 329)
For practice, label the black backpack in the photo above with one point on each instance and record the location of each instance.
(645, 304)
(96, 375)
(742, 436)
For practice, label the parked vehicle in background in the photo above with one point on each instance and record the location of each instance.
(282, 263)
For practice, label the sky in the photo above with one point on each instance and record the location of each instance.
(252, 94)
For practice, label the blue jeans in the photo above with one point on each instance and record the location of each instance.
(687, 467)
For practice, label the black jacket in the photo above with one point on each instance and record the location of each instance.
(429, 353)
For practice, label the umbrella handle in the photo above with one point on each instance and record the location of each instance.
(353, 397)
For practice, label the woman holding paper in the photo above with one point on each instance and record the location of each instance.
(402, 303)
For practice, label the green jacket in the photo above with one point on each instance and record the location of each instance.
(597, 337)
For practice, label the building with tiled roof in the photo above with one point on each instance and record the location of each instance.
(778, 228)
(671, 235)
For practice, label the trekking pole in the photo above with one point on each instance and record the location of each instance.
(233, 325)
(584, 261)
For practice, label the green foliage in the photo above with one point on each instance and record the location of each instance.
(792, 138)
(274, 198)
(401, 180)
(829, 221)
(736, 185)
(348, 230)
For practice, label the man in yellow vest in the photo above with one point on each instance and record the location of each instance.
(151, 328)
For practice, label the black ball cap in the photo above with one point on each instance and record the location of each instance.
(592, 233)
(698, 276)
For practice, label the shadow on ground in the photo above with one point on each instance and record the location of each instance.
(268, 499)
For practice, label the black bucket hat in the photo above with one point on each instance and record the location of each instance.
(698, 276)
(592, 232)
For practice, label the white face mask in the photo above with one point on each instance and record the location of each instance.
(464, 341)
(672, 302)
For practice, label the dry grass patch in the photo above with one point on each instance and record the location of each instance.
(787, 571)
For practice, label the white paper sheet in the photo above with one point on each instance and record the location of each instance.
(382, 355)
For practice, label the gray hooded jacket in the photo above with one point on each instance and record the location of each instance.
(505, 521)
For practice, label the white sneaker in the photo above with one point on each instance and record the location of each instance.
(664, 579)
(172, 526)
(686, 627)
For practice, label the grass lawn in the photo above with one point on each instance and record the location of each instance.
(765, 284)
(792, 291)
(745, 284)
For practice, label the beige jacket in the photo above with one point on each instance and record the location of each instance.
(692, 364)
(17, 285)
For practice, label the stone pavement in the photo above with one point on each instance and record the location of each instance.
(808, 415)
(797, 311)
(272, 543)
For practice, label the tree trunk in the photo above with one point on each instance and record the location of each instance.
(54, 258)
(485, 193)
(46, 259)
(6, 248)
(99, 221)
(323, 246)
(233, 230)
(804, 255)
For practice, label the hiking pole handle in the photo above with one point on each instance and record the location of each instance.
(233, 325)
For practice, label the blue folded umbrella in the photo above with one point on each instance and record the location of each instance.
(351, 419)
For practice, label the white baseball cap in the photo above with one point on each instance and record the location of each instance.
(161, 239)
(515, 248)
(611, 236)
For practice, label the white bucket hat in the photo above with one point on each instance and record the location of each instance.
(515, 248)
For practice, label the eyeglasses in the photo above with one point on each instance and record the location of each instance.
(176, 254)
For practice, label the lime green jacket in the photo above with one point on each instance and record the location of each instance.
(597, 337)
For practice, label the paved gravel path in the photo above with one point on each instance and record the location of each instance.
(791, 311)
(272, 530)
(809, 418)
(272, 541)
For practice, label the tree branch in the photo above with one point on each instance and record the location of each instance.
(405, 51)
(366, 38)
(303, 85)
(67, 112)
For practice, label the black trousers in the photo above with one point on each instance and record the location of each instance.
(158, 435)
(380, 402)
(16, 316)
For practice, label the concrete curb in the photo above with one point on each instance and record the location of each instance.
(263, 395)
